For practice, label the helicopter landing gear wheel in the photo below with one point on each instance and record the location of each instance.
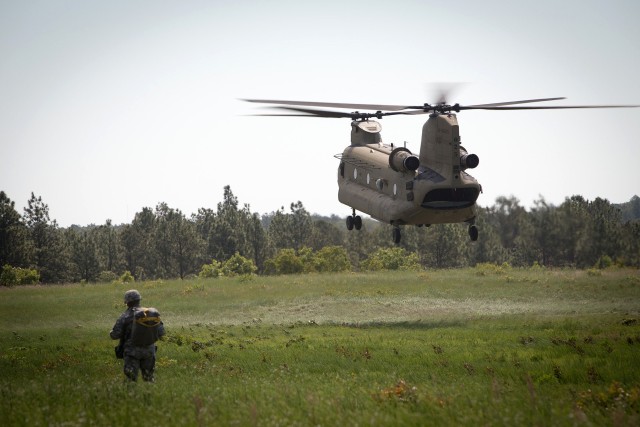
(473, 233)
(357, 222)
(397, 235)
(350, 223)
(354, 221)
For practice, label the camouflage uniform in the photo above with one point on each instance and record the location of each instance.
(135, 358)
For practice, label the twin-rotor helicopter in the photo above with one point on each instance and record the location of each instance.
(394, 185)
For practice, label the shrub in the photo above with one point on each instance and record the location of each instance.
(12, 276)
(270, 267)
(391, 259)
(308, 259)
(107, 276)
(127, 277)
(603, 262)
(238, 265)
(287, 262)
(28, 276)
(8, 276)
(536, 267)
(212, 270)
(332, 259)
(327, 259)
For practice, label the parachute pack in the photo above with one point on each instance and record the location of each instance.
(144, 330)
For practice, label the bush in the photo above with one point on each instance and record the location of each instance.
(28, 276)
(12, 276)
(287, 262)
(391, 259)
(327, 259)
(332, 259)
(213, 270)
(238, 265)
(308, 259)
(603, 262)
(107, 277)
(270, 268)
(536, 267)
(127, 277)
(8, 276)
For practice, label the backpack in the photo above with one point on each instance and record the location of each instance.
(144, 330)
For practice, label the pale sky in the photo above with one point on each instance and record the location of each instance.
(108, 107)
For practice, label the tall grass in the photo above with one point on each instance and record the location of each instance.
(493, 346)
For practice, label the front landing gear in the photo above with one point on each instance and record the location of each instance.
(354, 221)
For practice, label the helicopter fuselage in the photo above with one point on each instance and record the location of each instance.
(394, 186)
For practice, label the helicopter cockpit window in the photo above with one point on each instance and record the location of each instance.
(355, 173)
(341, 169)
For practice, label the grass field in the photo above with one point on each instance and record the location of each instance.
(484, 346)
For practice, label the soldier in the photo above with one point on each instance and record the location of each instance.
(138, 354)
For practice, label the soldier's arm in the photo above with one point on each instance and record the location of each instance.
(161, 329)
(116, 332)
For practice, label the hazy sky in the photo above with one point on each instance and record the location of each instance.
(108, 107)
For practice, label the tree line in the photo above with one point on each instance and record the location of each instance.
(163, 243)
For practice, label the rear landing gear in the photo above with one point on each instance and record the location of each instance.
(396, 235)
(354, 221)
(473, 232)
(350, 222)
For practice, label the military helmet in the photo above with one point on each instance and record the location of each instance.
(132, 295)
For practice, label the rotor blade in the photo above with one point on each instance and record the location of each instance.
(308, 112)
(409, 113)
(525, 101)
(429, 107)
(550, 107)
(330, 104)
(284, 115)
(388, 110)
(317, 113)
(381, 107)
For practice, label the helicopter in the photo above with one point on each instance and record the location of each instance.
(395, 186)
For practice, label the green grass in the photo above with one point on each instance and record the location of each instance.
(485, 346)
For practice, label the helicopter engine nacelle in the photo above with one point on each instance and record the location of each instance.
(401, 160)
(468, 161)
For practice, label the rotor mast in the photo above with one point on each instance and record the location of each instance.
(364, 132)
